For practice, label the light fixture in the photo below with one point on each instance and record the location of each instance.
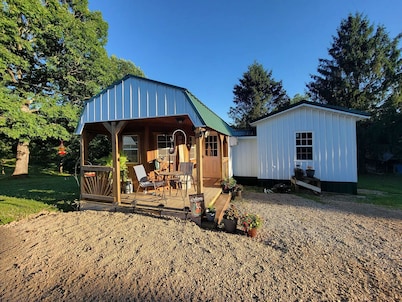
(180, 120)
(203, 133)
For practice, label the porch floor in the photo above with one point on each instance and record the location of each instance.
(174, 204)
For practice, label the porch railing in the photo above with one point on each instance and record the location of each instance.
(96, 183)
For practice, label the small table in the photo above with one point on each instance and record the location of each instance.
(170, 175)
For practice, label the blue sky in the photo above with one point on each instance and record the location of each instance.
(206, 46)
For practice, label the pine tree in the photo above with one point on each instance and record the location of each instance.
(256, 95)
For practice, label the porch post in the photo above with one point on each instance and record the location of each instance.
(221, 138)
(116, 164)
(198, 149)
(83, 155)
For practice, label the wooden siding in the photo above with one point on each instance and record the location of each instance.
(334, 144)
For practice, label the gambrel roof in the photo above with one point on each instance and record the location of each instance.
(135, 97)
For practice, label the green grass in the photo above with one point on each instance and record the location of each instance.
(12, 208)
(40, 190)
(381, 189)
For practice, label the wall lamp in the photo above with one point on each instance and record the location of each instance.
(203, 133)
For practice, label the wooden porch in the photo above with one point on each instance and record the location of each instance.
(166, 201)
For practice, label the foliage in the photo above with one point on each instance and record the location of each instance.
(364, 72)
(108, 161)
(228, 183)
(231, 213)
(52, 58)
(256, 95)
(251, 221)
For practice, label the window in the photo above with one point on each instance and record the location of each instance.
(164, 144)
(130, 148)
(211, 146)
(304, 145)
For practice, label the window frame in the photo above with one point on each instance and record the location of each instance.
(304, 148)
(135, 149)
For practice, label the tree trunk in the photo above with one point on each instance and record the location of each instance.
(22, 159)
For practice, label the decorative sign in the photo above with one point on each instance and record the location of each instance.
(197, 204)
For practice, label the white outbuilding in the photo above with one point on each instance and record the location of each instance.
(305, 135)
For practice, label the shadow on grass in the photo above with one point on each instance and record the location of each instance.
(52, 189)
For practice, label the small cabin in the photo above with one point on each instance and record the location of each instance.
(304, 135)
(150, 121)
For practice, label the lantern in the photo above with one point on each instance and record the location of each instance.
(62, 149)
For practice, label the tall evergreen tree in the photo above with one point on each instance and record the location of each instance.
(364, 72)
(364, 68)
(256, 95)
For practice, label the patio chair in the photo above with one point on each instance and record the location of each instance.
(145, 182)
(187, 174)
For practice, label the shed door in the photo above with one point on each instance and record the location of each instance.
(211, 160)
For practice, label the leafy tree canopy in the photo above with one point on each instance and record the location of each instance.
(52, 57)
(256, 95)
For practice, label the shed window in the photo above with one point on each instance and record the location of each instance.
(304, 145)
(164, 145)
(130, 147)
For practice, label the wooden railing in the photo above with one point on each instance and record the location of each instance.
(96, 183)
(225, 167)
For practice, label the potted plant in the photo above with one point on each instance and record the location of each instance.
(310, 171)
(210, 213)
(237, 190)
(251, 222)
(230, 219)
(299, 173)
(228, 184)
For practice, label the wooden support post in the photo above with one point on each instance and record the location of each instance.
(116, 164)
(199, 140)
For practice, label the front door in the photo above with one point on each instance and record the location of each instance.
(212, 157)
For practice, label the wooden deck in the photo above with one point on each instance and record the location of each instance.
(165, 202)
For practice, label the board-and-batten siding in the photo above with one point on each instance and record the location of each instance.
(334, 148)
(136, 98)
(244, 157)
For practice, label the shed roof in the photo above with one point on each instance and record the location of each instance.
(135, 97)
(342, 110)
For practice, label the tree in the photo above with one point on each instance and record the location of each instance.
(256, 95)
(51, 58)
(364, 70)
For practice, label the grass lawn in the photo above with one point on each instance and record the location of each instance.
(40, 190)
(49, 190)
(383, 189)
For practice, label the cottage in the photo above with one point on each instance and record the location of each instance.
(150, 121)
(305, 134)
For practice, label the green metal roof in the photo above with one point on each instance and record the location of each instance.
(211, 120)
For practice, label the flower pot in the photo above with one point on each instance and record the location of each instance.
(230, 225)
(310, 173)
(210, 216)
(299, 173)
(252, 232)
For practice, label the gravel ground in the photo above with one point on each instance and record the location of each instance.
(327, 249)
